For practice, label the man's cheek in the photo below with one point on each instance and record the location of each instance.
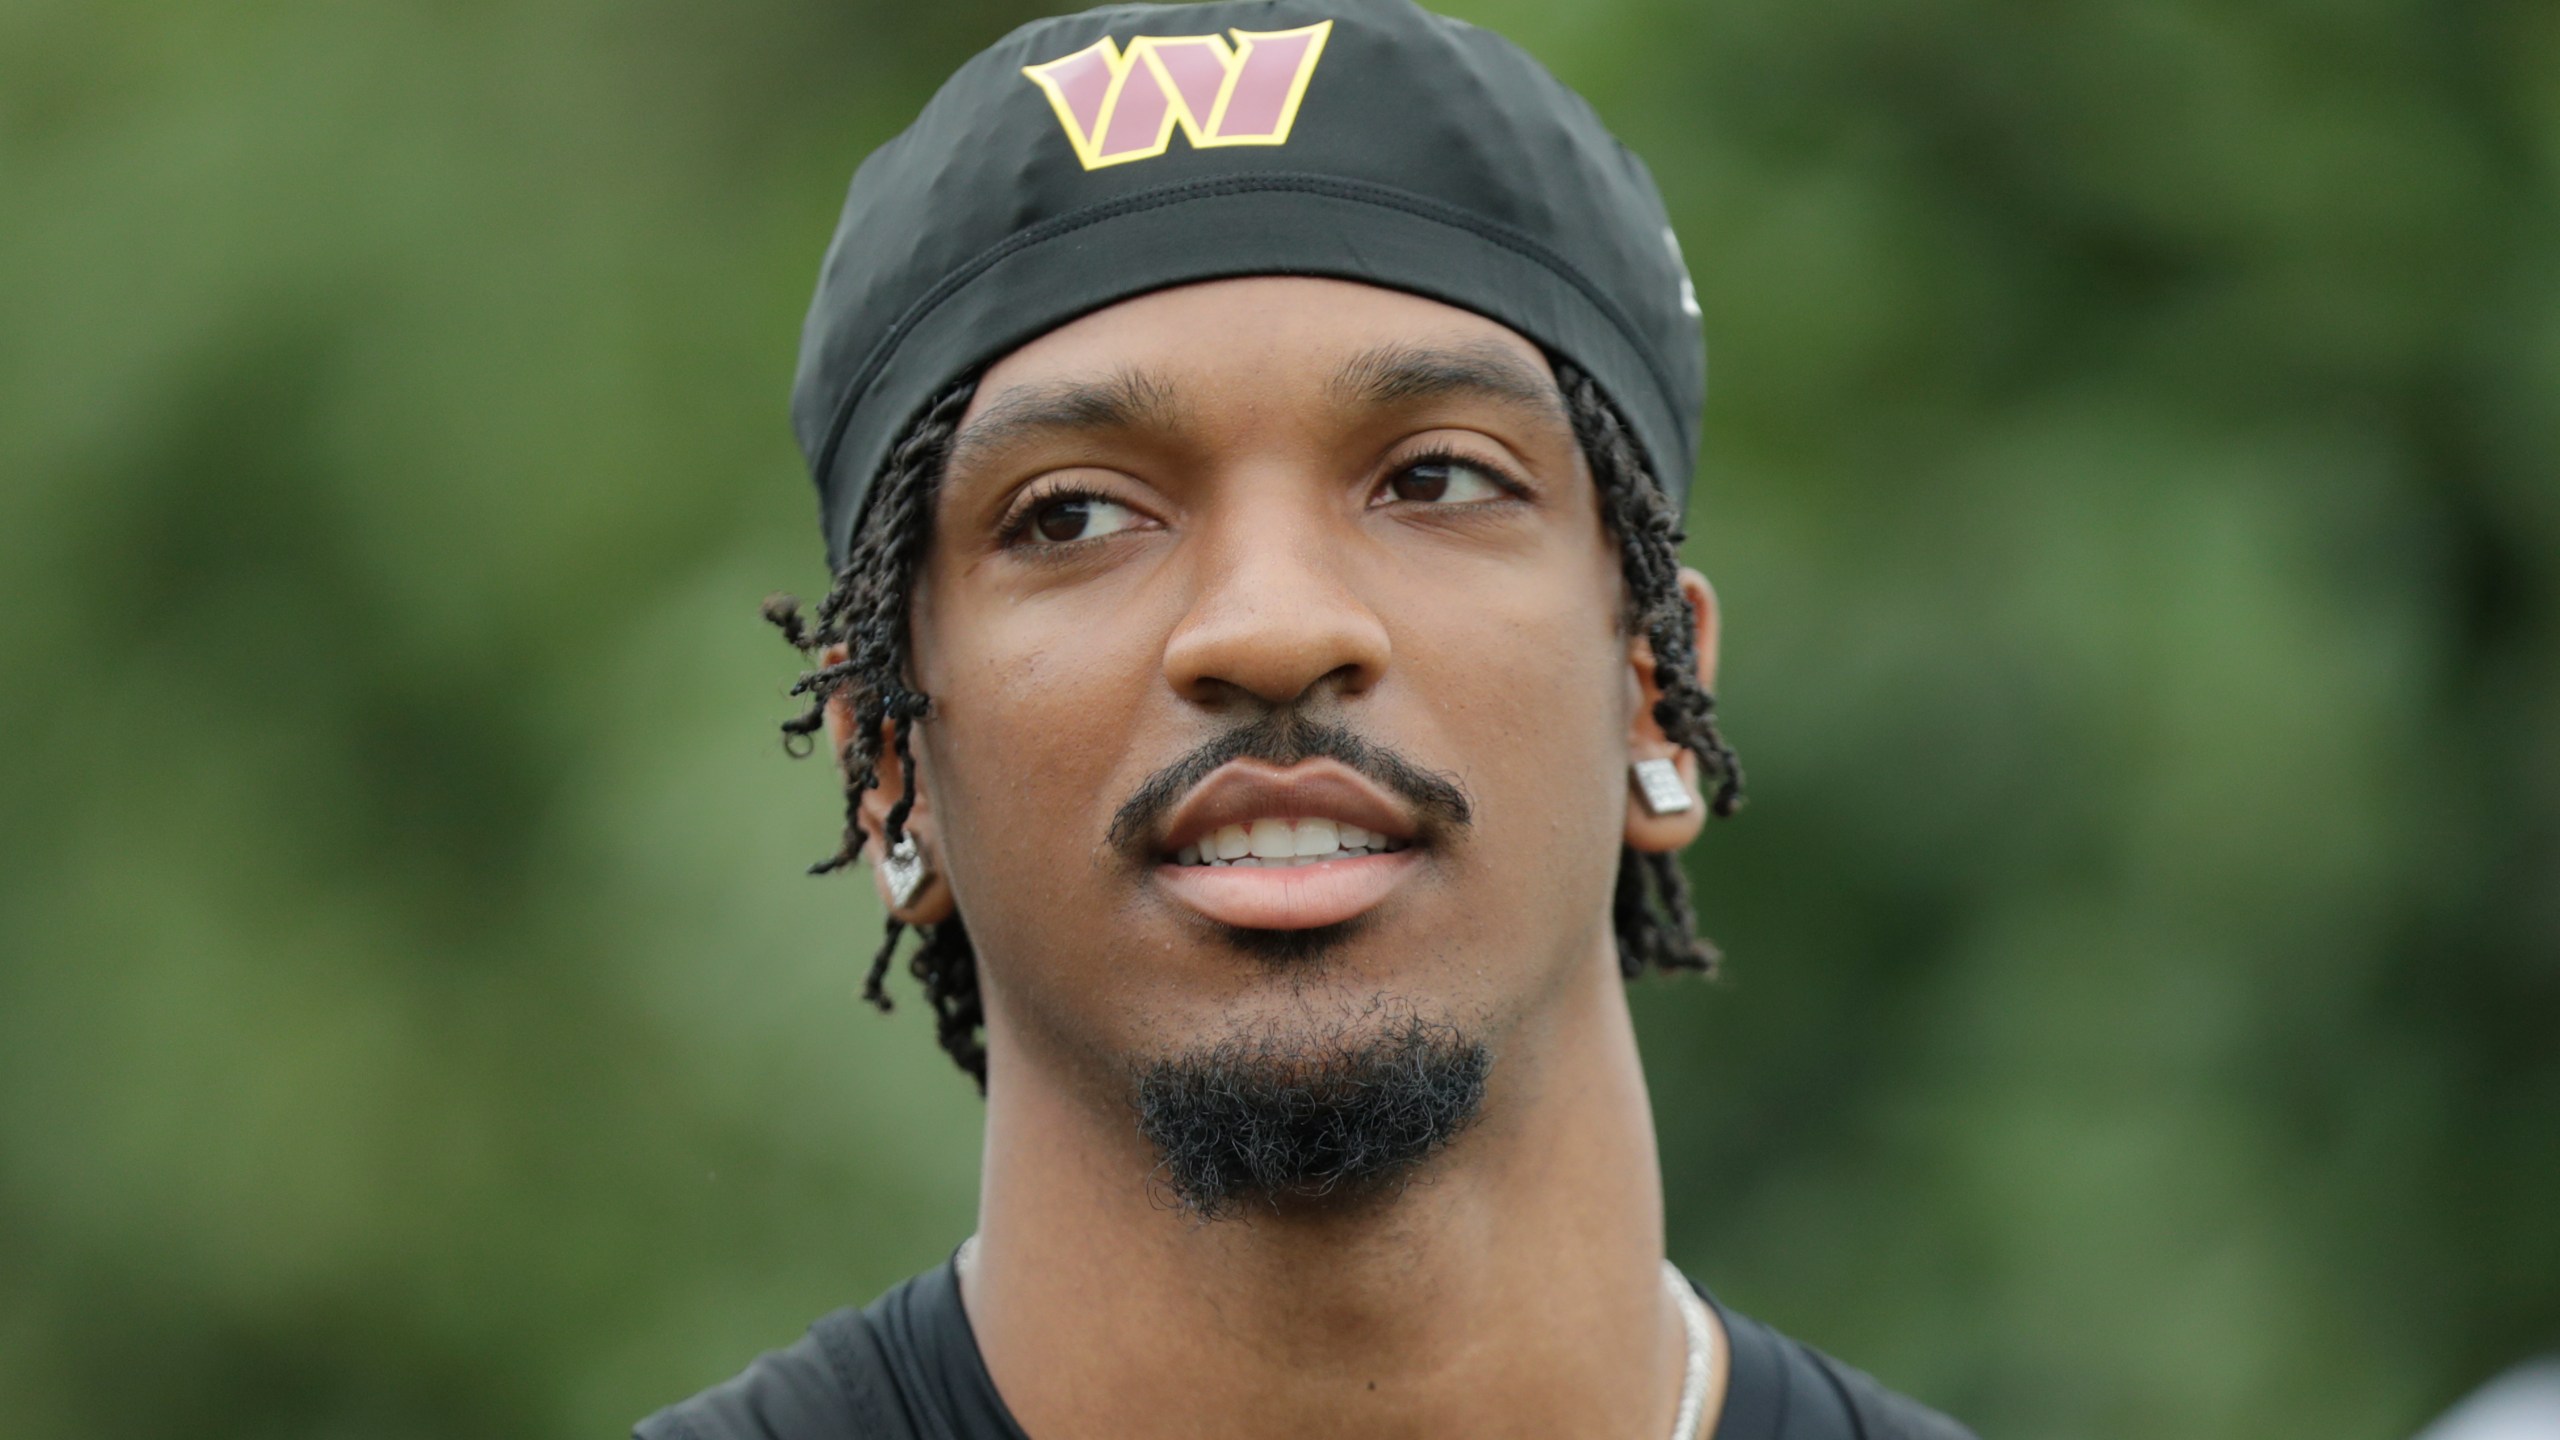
(1526, 689)
(1040, 752)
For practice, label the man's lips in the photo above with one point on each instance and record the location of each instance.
(1243, 791)
(1299, 897)
(1303, 892)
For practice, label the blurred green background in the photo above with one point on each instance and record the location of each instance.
(2133, 480)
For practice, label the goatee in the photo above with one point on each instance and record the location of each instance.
(1267, 1119)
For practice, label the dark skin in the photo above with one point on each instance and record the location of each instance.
(1185, 512)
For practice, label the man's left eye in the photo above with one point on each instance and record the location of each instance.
(1443, 482)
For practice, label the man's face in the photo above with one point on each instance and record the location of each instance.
(1278, 517)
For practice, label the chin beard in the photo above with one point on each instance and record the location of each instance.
(1274, 1117)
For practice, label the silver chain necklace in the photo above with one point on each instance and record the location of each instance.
(1693, 1384)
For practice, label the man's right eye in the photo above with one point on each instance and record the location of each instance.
(1064, 518)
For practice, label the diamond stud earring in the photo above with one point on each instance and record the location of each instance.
(1658, 783)
(904, 870)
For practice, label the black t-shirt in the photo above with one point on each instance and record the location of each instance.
(908, 1368)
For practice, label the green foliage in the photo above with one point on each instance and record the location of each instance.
(2133, 484)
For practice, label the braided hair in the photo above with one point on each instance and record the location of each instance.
(866, 612)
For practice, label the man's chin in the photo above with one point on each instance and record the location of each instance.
(1320, 1114)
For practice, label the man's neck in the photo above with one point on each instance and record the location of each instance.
(1514, 1289)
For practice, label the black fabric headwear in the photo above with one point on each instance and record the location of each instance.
(1089, 158)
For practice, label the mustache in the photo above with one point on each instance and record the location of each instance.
(1285, 737)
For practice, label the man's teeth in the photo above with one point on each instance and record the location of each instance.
(1284, 842)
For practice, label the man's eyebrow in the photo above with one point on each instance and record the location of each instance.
(1128, 400)
(1393, 374)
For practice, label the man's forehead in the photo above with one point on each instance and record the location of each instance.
(1172, 359)
(1383, 379)
(1256, 319)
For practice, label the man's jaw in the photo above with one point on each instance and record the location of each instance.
(1289, 837)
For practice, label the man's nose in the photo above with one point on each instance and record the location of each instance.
(1274, 615)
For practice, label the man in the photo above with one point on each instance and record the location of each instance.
(1250, 439)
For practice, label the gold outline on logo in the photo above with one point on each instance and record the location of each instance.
(1203, 135)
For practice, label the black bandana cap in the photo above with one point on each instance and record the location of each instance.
(1089, 158)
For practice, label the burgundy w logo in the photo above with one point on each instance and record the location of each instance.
(1122, 105)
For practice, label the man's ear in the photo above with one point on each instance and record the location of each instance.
(932, 903)
(1646, 831)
